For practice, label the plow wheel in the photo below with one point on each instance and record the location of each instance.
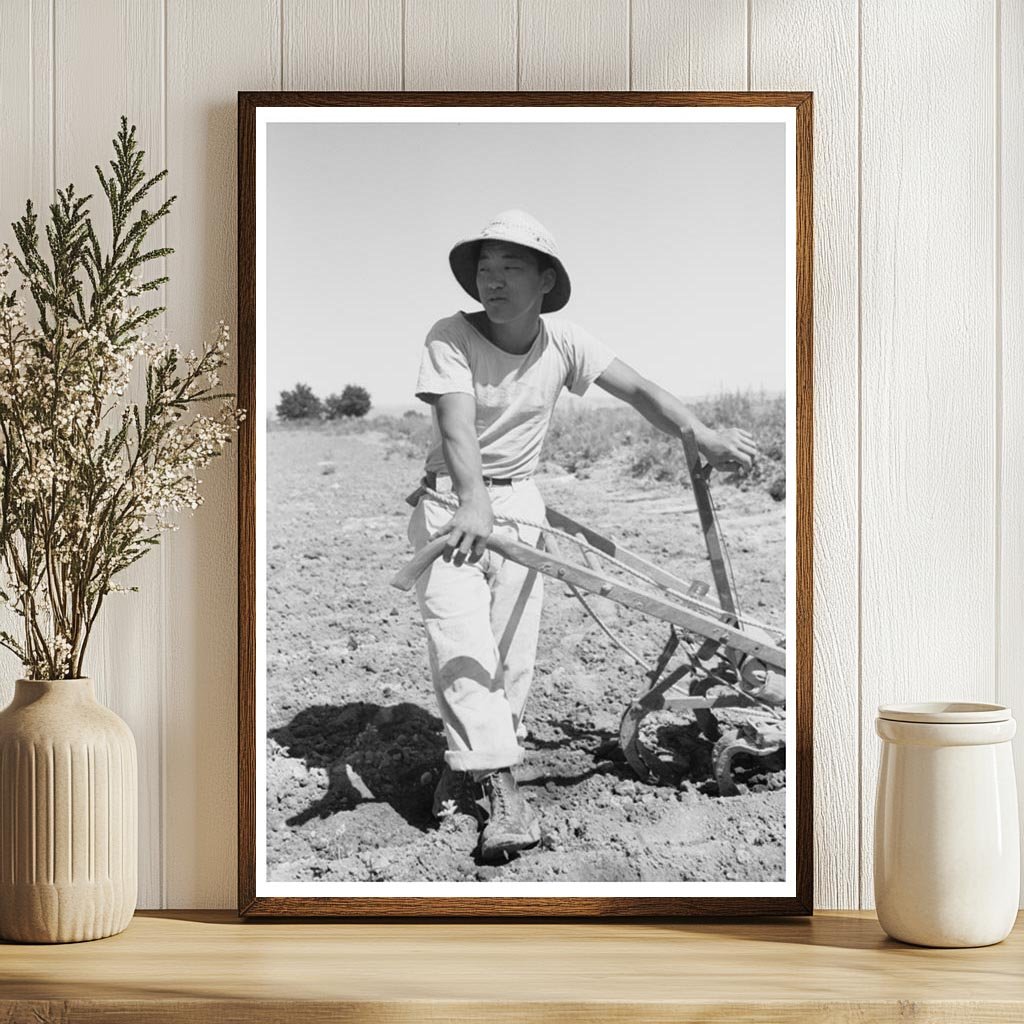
(709, 689)
(668, 694)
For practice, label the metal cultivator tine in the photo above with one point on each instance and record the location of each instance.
(629, 724)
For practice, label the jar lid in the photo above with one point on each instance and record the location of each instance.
(945, 712)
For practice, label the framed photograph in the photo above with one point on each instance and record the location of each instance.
(525, 522)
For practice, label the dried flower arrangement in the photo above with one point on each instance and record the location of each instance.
(89, 478)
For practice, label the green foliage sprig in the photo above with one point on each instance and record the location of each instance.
(88, 478)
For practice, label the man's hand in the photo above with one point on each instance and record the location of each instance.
(468, 531)
(732, 448)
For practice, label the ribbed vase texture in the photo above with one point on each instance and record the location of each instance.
(68, 815)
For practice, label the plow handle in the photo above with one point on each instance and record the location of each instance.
(709, 527)
(406, 577)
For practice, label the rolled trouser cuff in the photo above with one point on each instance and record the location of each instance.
(483, 760)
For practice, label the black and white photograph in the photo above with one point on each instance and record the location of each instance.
(525, 516)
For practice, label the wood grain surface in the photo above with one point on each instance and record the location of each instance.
(928, 380)
(574, 44)
(699, 44)
(784, 56)
(343, 44)
(1009, 313)
(467, 45)
(207, 966)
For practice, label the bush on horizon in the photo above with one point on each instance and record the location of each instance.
(300, 404)
(352, 403)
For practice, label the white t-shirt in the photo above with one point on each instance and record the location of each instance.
(515, 394)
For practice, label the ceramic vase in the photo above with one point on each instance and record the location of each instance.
(68, 815)
(947, 846)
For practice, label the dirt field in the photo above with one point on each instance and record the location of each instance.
(354, 743)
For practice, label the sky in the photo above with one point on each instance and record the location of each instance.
(673, 236)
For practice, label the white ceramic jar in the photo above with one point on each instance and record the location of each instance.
(947, 847)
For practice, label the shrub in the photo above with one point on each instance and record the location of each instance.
(353, 401)
(300, 404)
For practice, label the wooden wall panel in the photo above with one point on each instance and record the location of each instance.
(928, 404)
(799, 45)
(26, 108)
(573, 44)
(127, 666)
(342, 44)
(213, 51)
(470, 44)
(689, 44)
(26, 130)
(922, 422)
(1010, 314)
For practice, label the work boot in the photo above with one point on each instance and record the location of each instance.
(455, 794)
(512, 824)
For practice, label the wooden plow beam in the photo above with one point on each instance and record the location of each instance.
(687, 593)
(594, 582)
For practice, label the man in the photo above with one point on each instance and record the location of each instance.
(492, 378)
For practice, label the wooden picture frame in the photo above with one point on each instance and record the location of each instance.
(256, 896)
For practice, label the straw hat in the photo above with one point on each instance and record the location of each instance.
(512, 226)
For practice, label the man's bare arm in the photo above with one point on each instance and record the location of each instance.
(473, 521)
(720, 447)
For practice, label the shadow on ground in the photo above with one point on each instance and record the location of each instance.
(391, 754)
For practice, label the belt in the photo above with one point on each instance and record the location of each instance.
(430, 480)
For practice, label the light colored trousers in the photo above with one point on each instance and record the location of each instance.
(481, 621)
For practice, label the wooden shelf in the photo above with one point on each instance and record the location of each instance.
(208, 966)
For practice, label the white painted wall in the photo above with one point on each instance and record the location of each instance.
(919, 317)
